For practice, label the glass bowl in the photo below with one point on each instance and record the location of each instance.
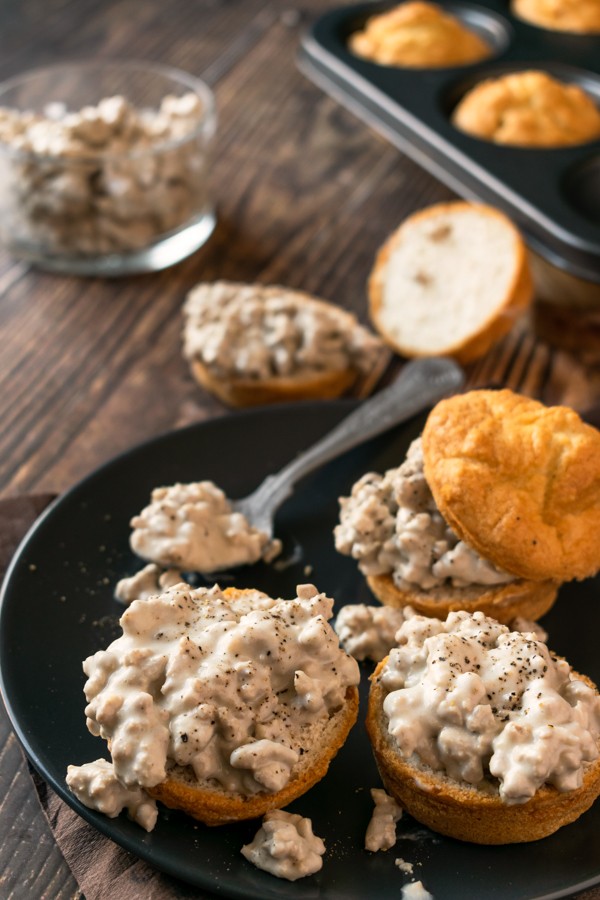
(105, 167)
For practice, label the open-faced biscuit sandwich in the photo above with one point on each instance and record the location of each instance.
(495, 505)
(252, 344)
(224, 704)
(417, 34)
(483, 734)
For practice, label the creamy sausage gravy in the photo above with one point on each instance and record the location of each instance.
(285, 846)
(391, 524)
(194, 527)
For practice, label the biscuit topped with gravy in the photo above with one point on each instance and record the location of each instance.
(251, 344)
(495, 506)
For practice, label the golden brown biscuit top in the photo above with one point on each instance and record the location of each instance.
(562, 15)
(528, 109)
(418, 34)
(518, 481)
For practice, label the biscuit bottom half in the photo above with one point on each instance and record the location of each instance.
(504, 602)
(214, 806)
(463, 811)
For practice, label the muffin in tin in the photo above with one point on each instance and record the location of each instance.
(419, 35)
(528, 109)
(581, 16)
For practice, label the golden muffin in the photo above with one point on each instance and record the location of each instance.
(483, 734)
(528, 109)
(418, 34)
(581, 16)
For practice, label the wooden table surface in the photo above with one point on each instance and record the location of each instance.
(305, 196)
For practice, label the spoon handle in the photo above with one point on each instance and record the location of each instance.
(421, 383)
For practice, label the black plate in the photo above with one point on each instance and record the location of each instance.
(552, 194)
(57, 608)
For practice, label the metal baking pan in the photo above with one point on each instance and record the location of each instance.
(552, 194)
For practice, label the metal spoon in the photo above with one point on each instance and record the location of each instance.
(421, 383)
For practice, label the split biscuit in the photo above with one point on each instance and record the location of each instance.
(253, 344)
(517, 481)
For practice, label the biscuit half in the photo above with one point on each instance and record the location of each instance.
(214, 806)
(245, 392)
(239, 390)
(450, 281)
(461, 810)
(517, 481)
(504, 602)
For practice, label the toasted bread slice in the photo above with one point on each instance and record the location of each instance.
(504, 602)
(450, 281)
(461, 810)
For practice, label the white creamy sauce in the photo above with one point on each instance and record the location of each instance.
(194, 527)
(391, 525)
(97, 787)
(415, 891)
(235, 689)
(404, 865)
(285, 846)
(148, 581)
(381, 830)
(260, 332)
(369, 632)
(478, 702)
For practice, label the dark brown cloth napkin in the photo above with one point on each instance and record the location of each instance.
(102, 869)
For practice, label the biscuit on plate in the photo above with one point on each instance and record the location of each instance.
(418, 34)
(481, 733)
(528, 109)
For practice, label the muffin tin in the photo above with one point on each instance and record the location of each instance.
(552, 194)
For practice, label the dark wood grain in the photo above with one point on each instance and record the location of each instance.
(305, 193)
